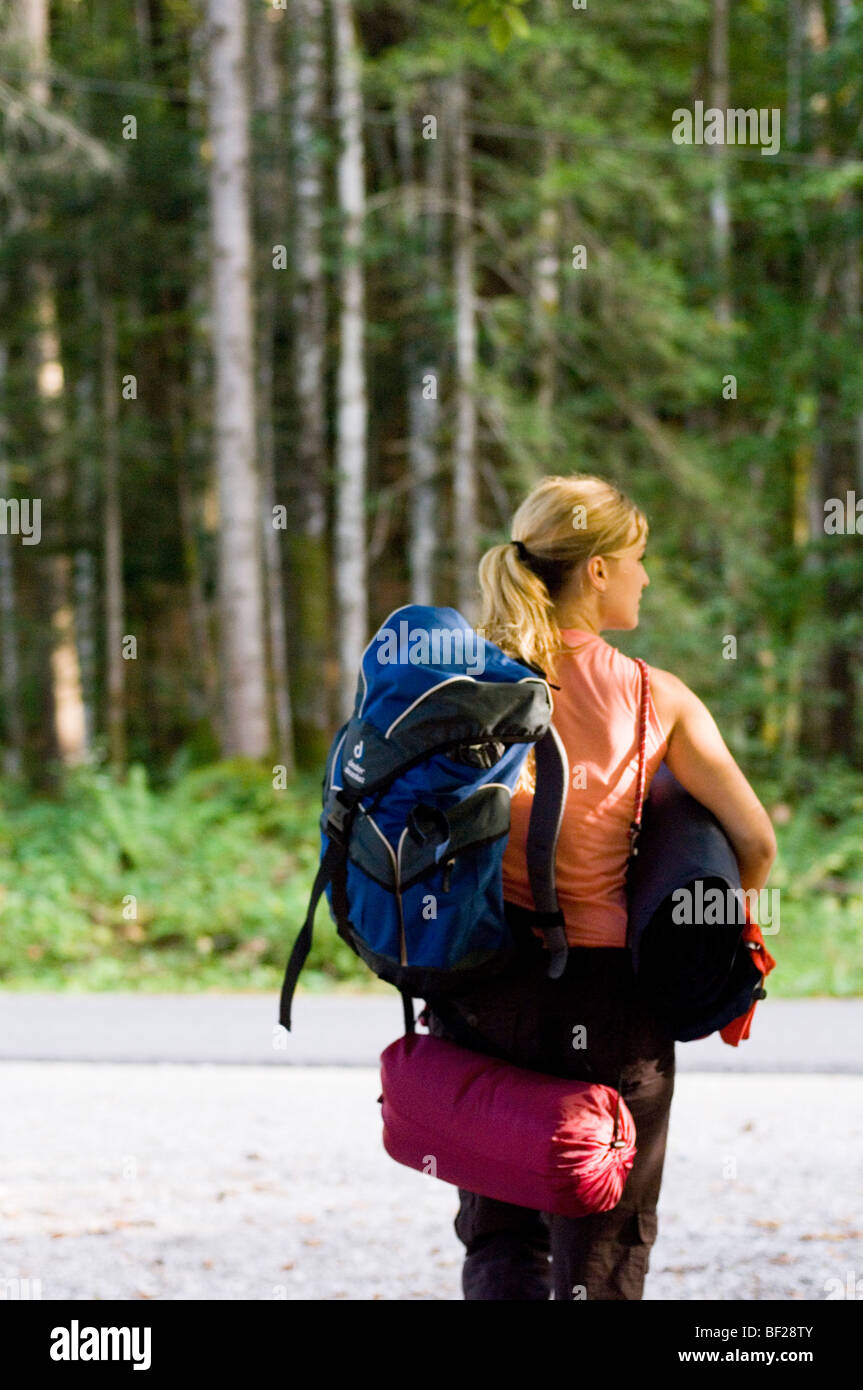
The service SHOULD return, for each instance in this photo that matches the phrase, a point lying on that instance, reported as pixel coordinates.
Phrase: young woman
(573, 570)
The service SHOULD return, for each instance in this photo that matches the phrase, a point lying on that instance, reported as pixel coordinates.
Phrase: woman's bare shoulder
(669, 695)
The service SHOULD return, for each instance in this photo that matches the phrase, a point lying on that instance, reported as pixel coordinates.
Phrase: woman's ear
(597, 571)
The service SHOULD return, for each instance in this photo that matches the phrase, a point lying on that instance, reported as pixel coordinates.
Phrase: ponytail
(518, 608)
(559, 526)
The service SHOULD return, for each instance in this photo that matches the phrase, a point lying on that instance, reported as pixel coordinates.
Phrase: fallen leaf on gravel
(311, 1242)
(768, 1225)
(833, 1235)
(290, 1266)
(139, 1293)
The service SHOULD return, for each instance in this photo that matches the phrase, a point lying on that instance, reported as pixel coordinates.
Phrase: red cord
(635, 827)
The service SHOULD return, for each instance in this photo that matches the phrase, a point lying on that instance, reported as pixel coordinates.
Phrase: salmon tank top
(596, 713)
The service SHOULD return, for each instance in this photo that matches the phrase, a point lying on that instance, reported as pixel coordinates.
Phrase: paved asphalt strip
(348, 1030)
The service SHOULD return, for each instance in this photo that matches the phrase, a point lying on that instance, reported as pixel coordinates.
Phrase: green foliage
(221, 865)
(504, 19)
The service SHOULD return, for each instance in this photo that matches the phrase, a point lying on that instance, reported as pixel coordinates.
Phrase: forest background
(298, 300)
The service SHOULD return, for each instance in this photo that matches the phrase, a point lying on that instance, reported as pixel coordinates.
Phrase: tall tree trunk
(465, 519)
(191, 434)
(422, 225)
(794, 74)
(272, 210)
(70, 725)
(723, 425)
(352, 407)
(10, 692)
(571, 298)
(850, 275)
(240, 590)
(814, 658)
(69, 721)
(801, 467)
(805, 494)
(144, 29)
(842, 593)
(545, 305)
(205, 687)
(113, 540)
(838, 735)
(86, 487)
(720, 215)
(307, 539)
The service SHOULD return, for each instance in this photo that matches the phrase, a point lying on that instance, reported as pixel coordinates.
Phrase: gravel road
(255, 1182)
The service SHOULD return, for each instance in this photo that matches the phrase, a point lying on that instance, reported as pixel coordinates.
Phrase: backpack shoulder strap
(552, 778)
(333, 866)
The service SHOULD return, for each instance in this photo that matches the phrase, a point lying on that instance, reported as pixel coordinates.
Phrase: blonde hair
(563, 523)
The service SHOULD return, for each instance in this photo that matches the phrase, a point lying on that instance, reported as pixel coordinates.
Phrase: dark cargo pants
(590, 1025)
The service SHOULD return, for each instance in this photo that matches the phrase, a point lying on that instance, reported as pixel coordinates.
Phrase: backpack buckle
(337, 816)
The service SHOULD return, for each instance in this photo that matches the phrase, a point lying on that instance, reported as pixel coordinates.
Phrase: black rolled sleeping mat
(699, 974)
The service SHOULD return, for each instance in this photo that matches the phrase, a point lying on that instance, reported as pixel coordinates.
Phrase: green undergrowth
(203, 884)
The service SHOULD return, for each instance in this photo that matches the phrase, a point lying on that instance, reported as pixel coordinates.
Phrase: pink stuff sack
(502, 1131)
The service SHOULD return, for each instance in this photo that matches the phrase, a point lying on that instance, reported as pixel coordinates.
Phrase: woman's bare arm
(701, 762)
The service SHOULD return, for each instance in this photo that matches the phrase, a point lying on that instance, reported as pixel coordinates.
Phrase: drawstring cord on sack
(615, 1142)
(634, 832)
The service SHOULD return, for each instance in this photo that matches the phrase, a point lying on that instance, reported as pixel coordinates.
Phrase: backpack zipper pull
(447, 873)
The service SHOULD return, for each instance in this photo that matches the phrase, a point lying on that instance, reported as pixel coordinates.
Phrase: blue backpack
(416, 809)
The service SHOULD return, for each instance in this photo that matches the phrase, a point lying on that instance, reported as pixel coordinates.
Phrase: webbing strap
(552, 776)
(407, 1005)
(334, 855)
